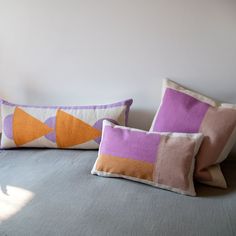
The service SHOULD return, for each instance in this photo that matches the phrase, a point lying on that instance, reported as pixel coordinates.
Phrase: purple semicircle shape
(7, 126)
(51, 122)
(98, 125)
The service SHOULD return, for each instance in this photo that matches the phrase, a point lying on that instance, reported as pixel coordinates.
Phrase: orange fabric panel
(26, 128)
(125, 166)
(71, 131)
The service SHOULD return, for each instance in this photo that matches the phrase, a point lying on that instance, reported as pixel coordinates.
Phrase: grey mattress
(68, 200)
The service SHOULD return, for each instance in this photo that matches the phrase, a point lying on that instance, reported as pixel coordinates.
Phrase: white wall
(99, 51)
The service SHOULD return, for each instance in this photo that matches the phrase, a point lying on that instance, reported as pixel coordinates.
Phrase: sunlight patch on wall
(13, 201)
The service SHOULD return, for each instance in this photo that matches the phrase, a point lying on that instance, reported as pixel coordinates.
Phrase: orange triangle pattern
(26, 128)
(71, 131)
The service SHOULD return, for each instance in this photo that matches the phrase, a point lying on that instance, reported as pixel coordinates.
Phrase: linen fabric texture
(75, 127)
(183, 110)
(163, 160)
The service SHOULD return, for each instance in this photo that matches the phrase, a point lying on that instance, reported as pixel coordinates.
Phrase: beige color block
(217, 126)
(174, 160)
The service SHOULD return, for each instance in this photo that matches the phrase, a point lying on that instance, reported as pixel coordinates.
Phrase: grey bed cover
(68, 200)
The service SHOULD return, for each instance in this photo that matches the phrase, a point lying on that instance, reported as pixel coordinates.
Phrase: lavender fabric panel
(180, 112)
(7, 125)
(127, 103)
(130, 144)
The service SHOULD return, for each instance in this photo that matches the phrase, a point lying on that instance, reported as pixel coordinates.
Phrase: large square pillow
(58, 126)
(183, 110)
(164, 160)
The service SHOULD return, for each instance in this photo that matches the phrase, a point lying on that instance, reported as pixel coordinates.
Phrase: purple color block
(51, 122)
(8, 126)
(130, 144)
(98, 125)
(180, 113)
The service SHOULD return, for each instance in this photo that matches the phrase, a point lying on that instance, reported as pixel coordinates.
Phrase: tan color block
(217, 127)
(174, 161)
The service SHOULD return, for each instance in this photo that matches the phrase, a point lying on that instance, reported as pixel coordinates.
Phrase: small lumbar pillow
(58, 126)
(183, 110)
(164, 160)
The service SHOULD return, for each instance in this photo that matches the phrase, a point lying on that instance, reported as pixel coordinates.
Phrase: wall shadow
(141, 118)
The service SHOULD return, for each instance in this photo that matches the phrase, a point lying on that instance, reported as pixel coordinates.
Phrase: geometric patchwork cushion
(163, 160)
(183, 110)
(58, 126)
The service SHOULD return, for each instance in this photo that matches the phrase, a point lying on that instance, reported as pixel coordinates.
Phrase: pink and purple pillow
(183, 110)
(76, 127)
(163, 160)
